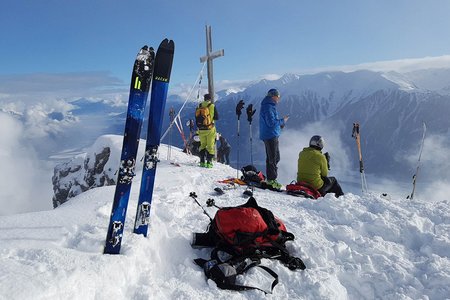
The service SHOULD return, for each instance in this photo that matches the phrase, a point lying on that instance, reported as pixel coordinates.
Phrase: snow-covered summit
(355, 247)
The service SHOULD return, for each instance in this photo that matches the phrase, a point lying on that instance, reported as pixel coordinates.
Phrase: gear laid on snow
(246, 233)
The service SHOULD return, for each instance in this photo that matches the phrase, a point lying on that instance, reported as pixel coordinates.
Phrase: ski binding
(143, 215)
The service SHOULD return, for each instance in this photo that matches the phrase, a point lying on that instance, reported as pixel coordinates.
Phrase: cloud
(34, 112)
(26, 183)
(400, 65)
(45, 87)
(432, 177)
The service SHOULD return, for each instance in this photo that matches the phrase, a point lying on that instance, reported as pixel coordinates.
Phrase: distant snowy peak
(437, 80)
(401, 80)
(331, 86)
(288, 78)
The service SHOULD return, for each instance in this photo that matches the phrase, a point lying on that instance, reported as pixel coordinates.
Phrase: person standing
(205, 117)
(313, 168)
(270, 125)
(223, 152)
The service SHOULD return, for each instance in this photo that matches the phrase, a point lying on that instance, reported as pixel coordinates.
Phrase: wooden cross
(209, 59)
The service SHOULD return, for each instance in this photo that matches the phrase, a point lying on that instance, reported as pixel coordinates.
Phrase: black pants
(223, 156)
(226, 155)
(330, 185)
(272, 158)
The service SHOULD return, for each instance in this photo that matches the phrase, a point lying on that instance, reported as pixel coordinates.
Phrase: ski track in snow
(354, 247)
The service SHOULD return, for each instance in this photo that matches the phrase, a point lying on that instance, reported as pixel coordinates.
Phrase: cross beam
(209, 61)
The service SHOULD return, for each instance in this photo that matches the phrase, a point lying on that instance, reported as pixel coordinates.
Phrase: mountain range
(389, 106)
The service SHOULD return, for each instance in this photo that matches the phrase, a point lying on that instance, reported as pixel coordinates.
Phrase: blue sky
(259, 36)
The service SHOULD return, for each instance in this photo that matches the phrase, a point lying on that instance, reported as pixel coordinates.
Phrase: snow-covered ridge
(401, 80)
(355, 247)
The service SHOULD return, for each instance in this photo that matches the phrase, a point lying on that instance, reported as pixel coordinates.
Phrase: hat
(273, 92)
(207, 97)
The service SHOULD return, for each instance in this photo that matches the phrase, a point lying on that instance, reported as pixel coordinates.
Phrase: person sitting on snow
(313, 168)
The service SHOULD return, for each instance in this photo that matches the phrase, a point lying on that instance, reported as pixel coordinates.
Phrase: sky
(260, 37)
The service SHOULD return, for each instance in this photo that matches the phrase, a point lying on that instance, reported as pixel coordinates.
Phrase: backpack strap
(238, 287)
(292, 262)
(224, 273)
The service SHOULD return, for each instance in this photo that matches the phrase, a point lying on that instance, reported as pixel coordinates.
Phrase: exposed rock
(86, 171)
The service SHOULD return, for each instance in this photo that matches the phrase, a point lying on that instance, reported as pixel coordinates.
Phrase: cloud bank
(26, 182)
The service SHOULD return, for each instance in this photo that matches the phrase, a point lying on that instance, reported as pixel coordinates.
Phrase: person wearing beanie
(205, 117)
(313, 168)
(270, 125)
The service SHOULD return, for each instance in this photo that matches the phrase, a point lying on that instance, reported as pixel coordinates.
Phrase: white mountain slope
(355, 247)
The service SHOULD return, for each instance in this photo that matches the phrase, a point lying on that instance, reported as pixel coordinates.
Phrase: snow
(354, 247)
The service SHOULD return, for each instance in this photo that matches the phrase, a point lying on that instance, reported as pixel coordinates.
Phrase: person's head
(207, 97)
(317, 142)
(274, 94)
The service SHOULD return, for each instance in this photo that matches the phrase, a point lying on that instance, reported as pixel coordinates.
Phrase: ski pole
(250, 113)
(411, 196)
(193, 195)
(239, 107)
(211, 202)
(356, 135)
(169, 148)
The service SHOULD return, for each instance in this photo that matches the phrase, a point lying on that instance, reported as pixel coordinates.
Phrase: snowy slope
(355, 247)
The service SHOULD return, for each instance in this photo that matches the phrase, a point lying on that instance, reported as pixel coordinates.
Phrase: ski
(160, 85)
(357, 136)
(411, 196)
(140, 83)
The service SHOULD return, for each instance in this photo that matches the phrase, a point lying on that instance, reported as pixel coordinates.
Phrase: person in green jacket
(313, 168)
(205, 117)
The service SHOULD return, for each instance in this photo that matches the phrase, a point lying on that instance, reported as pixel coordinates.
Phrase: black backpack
(251, 175)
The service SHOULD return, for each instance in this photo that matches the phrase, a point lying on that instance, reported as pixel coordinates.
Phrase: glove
(327, 156)
(250, 112)
(239, 107)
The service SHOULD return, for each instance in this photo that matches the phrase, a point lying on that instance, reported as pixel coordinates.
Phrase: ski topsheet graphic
(140, 84)
(160, 85)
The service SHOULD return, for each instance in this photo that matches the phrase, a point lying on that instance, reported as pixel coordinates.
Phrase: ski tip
(168, 44)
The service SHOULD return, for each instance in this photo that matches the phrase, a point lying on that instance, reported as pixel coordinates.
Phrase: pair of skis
(148, 70)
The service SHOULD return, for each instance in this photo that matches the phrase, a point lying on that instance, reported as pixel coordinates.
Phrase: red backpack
(244, 227)
(248, 230)
(241, 236)
(302, 188)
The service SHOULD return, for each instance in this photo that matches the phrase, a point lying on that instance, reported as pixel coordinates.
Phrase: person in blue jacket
(270, 125)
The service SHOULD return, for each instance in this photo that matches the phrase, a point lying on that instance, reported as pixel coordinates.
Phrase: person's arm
(323, 166)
